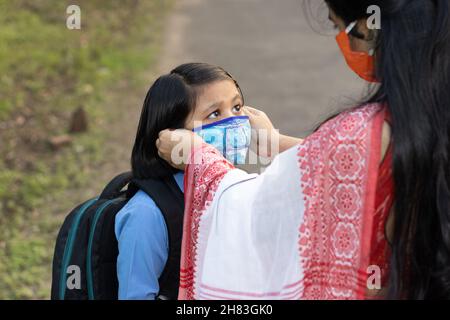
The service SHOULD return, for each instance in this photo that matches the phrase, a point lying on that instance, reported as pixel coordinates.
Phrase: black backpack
(87, 248)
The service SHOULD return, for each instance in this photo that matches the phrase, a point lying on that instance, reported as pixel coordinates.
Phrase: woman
(192, 95)
(320, 222)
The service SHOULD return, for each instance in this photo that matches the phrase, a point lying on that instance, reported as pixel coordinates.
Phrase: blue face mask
(231, 136)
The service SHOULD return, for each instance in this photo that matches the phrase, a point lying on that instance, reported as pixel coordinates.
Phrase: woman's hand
(175, 146)
(258, 119)
(264, 134)
(266, 140)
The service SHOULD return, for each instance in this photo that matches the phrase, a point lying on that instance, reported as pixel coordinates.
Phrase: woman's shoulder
(361, 115)
(355, 124)
(385, 139)
(351, 123)
(374, 112)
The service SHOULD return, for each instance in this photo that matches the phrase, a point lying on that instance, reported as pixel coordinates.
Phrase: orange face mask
(361, 63)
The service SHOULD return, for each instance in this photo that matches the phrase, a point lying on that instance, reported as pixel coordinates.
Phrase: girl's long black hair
(413, 65)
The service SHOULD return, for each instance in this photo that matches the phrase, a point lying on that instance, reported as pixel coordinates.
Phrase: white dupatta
(300, 230)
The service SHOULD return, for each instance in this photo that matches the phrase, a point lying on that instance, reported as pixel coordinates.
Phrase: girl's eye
(214, 115)
(237, 108)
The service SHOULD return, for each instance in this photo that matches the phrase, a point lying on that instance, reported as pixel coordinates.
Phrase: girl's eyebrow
(212, 107)
(217, 104)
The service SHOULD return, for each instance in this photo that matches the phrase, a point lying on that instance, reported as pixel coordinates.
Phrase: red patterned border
(202, 178)
(338, 167)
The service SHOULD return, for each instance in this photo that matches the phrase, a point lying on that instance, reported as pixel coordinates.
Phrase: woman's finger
(252, 111)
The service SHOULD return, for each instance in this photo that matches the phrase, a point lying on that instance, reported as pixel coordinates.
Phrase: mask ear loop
(350, 27)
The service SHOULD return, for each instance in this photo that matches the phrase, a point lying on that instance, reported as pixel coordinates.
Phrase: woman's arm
(266, 140)
(287, 142)
(175, 146)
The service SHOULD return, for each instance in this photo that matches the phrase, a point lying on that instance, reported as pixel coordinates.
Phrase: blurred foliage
(41, 59)
(46, 72)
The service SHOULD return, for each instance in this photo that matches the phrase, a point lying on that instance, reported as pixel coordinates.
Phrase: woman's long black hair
(168, 103)
(413, 65)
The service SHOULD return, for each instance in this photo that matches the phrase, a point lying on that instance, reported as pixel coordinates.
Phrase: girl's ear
(370, 37)
(362, 39)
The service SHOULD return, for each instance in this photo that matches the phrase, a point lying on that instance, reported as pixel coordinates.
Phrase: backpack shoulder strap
(114, 188)
(170, 200)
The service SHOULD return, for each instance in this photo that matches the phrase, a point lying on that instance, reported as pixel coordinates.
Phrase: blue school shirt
(143, 246)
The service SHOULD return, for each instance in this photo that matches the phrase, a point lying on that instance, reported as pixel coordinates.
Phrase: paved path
(295, 74)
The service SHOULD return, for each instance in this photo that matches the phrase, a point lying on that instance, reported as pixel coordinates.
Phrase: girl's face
(216, 101)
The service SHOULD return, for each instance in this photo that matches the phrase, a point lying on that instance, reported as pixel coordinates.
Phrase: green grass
(40, 59)
(46, 72)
